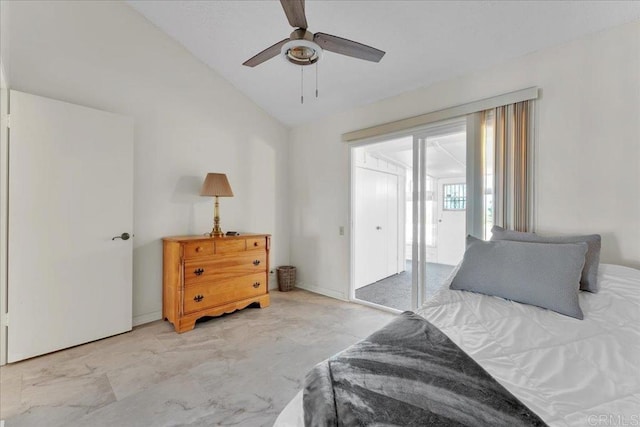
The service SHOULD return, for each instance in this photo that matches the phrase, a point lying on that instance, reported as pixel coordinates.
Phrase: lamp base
(216, 231)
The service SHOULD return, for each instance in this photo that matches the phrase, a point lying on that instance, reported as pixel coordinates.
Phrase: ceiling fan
(305, 48)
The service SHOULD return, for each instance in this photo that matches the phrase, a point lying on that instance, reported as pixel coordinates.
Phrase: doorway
(414, 186)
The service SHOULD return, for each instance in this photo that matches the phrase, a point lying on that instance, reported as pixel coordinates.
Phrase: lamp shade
(216, 184)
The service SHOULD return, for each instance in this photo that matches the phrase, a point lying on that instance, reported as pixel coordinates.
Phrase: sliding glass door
(415, 197)
(454, 178)
(439, 206)
(380, 178)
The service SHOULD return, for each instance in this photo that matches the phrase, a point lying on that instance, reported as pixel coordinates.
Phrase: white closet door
(370, 214)
(70, 193)
(376, 226)
(391, 225)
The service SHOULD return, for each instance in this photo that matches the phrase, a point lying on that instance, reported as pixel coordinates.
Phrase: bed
(569, 372)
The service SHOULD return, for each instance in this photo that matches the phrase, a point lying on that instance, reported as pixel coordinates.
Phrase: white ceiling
(425, 41)
(446, 153)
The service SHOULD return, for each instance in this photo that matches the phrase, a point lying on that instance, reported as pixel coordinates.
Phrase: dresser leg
(265, 301)
(185, 325)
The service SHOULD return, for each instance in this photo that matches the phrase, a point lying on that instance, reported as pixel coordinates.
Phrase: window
(455, 197)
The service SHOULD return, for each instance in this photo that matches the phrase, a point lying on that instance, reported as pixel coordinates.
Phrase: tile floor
(238, 369)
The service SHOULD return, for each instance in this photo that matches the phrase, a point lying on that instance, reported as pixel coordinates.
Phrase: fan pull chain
(301, 85)
(316, 79)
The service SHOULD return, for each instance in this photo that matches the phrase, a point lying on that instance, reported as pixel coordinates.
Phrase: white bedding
(570, 372)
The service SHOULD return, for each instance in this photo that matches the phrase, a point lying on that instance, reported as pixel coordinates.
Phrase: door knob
(123, 236)
(378, 228)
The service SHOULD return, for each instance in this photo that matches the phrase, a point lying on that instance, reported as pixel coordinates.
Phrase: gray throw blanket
(408, 374)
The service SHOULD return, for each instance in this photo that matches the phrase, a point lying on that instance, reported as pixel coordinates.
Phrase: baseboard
(147, 318)
(323, 291)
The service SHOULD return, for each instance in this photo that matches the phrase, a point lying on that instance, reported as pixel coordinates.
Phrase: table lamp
(216, 184)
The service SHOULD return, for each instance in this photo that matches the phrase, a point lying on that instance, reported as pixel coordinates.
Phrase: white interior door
(70, 193)
(376, 226)
(390, 228)
(370, 213)
(452, 227)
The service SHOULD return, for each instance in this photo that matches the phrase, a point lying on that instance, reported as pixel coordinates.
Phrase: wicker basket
(286, 278)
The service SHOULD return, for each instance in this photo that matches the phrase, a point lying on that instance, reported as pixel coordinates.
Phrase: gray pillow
(543, 274)
(589, 278)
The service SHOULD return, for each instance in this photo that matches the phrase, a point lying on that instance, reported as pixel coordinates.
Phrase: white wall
(588, 151)
(189, 121)
(4, 174)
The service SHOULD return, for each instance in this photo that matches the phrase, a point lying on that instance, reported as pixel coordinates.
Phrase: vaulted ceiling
(425, 42)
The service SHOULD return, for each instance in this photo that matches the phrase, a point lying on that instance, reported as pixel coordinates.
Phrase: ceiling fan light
(301, 52)
(302, 55)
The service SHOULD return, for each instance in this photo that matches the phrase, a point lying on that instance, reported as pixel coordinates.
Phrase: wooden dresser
(210, 276)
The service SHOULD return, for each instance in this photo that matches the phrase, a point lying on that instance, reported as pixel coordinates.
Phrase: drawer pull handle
(256, 244)
(198, 298)
(256, 285)
(198, 272)
(199, 249)
(256, 262)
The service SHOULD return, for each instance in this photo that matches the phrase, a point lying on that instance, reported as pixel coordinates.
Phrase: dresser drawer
(198, 249)
(259, 243)
(225, 265)
(232, 245)
(222, 292)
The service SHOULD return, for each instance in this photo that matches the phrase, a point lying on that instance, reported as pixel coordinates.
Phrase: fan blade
(347, 47)
(266, 54)
(294, 9)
